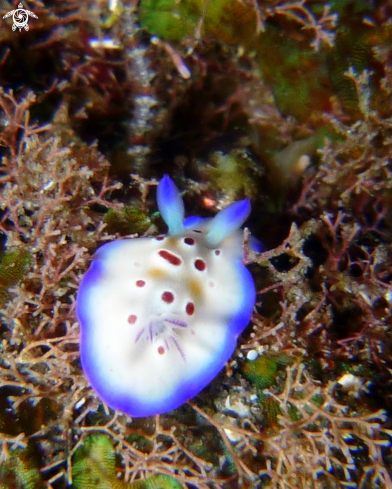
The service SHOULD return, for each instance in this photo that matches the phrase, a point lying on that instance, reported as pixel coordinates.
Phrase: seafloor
(285, 102)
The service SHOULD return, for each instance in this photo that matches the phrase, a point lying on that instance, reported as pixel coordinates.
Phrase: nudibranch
(160, 316)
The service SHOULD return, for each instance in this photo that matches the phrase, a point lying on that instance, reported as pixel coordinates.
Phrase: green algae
(229, 20)
(271, 410)
(94, 464)
(160, 481)
(14, 266)
(234, 174)
(19, 471)
(169, 19)
(263, 371)
(94, 467)
(128, 220)
(351, 51)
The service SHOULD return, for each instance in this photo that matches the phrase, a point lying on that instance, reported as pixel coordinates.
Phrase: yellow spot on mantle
(156, 273)
(194, 287)
(171, 242)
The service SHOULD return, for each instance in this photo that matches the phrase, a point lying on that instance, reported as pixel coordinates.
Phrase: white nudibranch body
(160, 316)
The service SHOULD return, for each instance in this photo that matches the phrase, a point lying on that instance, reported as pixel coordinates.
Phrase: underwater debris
(323, 454)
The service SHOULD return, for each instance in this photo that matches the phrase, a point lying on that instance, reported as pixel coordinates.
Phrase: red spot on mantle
(132, 319)
(200, 265)
(170, 257)
(190, 308)
(167, 297)
(161, 350)
(140, 283)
